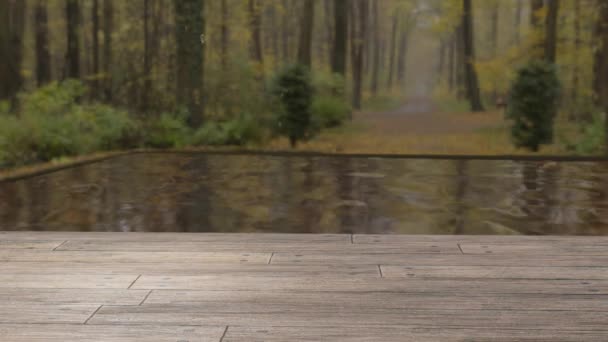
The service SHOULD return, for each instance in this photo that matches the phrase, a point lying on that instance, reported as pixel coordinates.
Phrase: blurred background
(368, 76)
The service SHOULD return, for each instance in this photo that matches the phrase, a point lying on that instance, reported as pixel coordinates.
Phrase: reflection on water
(217, 193)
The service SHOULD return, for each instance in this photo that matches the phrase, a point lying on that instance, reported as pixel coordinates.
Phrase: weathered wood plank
(305, 258)
(225, 238)
(480, 239)
(258, 247)
(359, 284)
(70, 281)
(42, 313)
(234, 316)
(542, 249)
(118, 333)
(163, 268)
(354, 333)
(72, 296)
(134, 257)
(494, 272)
(259, 301)
(30, 244)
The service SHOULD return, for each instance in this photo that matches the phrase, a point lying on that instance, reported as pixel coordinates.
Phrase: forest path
(422, 116)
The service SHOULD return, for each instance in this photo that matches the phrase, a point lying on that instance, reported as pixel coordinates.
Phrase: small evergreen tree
(533, 105)
(294, 90)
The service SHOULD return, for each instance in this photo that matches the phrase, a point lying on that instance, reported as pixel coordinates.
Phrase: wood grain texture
(30, 244)
(542, 249)
(70, 281)
(259, 247)
(258, 301)
(45, 313)
(398, 259)
(72, 296)
(121, 333)
(272, 287)
(448, 287)
(496, 272)
(186, 268)
(353, 333)
(489, 319)
(133, 257)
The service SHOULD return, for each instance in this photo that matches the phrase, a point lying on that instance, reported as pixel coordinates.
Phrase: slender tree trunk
(285, 32)
(472, 83)
(306, 28)
(108, 29)
(73, 34)
(459, 71)
(43, 56)
(538, 28)
(189, 25)
(95, 34)
(402, 56)
(393, 43)
(551, 31)
(600, 83)
(340, 36)
(225, 39)
(12, 26)
(255, 23)
(145, 103)
(451, 63)
(377, 48)
(577, 47)
(329, 30)
(359, 28)
(518, 14)
(495, 17)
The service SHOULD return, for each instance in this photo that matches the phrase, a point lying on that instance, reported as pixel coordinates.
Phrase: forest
(520, 76)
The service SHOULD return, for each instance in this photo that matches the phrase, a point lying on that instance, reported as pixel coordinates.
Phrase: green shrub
(294, 91)
(52, 124)
(328, 112)
(237, 132)
(168, 131)
(593, 138)
(533, 105)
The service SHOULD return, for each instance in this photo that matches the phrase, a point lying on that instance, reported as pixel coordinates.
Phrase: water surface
(245, 193)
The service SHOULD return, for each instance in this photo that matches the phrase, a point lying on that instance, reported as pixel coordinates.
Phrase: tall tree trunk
(393, 43)
(471, 80)
(340, 36)
(189, 25)
(43, 56)
(255, 24)
(600, 83)
(577, 46)
(285, 32)
(377, 48)
(538, 28)
(73, 39)
(225, 39)
(495, 17)
(451, 63)
(145, 101)
(108, 29)
(12, 26)
(551, 31)
(402, 55)
(519, 9)
(329, 32)
(359, 29)
(306, 28)
(95, 34)
(459, 71)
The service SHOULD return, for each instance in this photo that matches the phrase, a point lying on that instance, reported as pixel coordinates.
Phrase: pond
(301, 194)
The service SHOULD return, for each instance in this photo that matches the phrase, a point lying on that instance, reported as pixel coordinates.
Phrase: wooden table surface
(273, 287)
